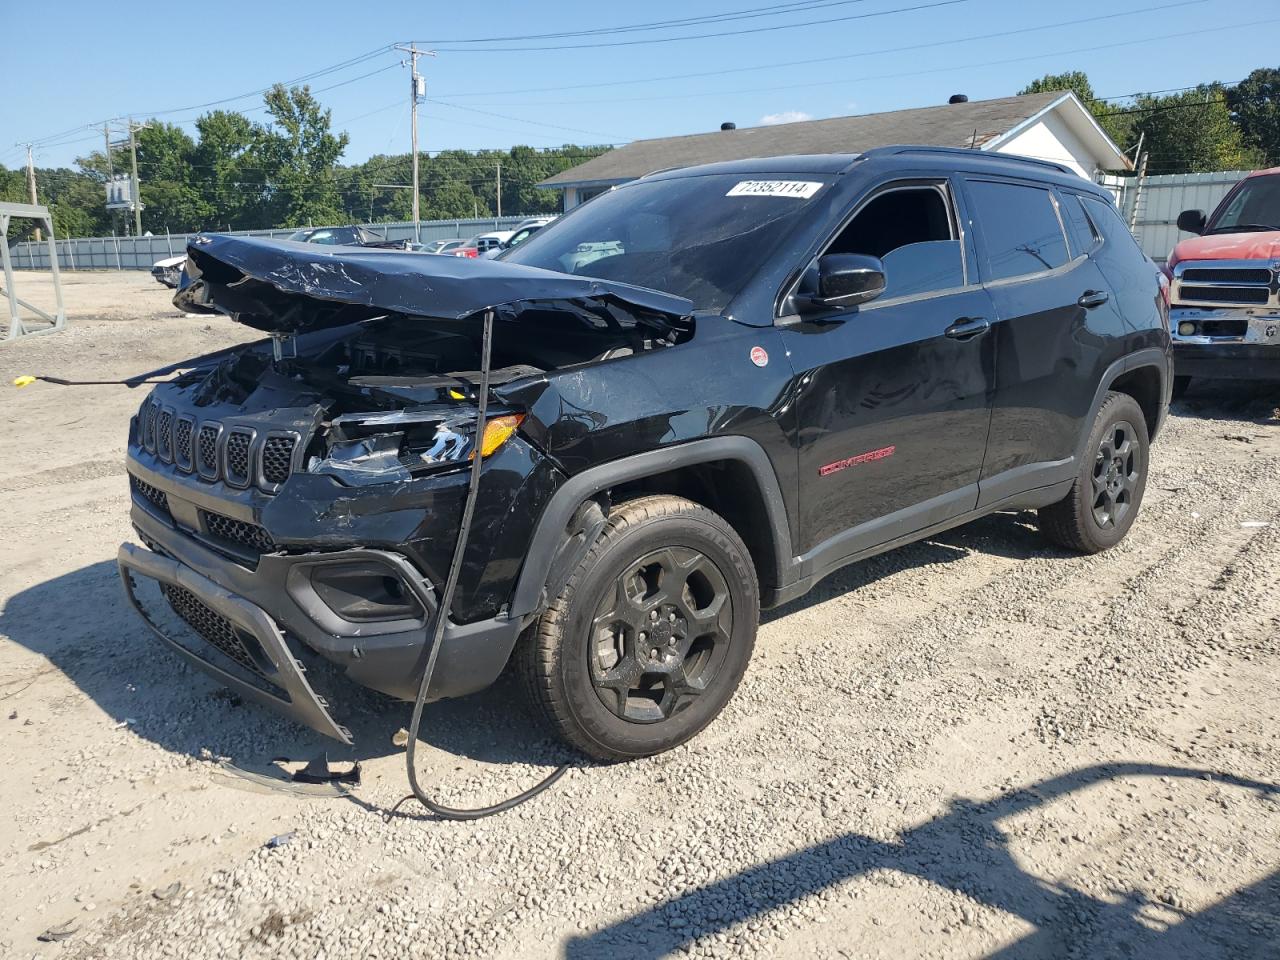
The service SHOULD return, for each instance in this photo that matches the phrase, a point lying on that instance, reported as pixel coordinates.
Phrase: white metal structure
(17, 326)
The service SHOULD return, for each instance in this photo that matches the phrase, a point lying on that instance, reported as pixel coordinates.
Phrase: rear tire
(1107, 493)
(650, 637)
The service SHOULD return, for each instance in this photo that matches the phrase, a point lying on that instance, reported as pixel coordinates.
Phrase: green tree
(231, 189)
(1190, 132)
(1255, 108)
(297, 154)
(172, 194)
(1077, 81)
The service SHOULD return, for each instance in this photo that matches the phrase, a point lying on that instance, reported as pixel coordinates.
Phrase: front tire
(1107, 494)
(650, 637)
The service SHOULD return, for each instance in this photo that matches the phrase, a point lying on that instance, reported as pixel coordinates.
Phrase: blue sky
(93, 61)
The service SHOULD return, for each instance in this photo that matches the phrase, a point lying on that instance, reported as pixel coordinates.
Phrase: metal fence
(139, 253)
(1159, 200)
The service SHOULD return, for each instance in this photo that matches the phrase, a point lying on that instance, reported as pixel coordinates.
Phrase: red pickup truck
(1225, 286)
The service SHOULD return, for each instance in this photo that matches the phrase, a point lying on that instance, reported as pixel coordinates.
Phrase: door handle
(966, 328)
(1093, 298)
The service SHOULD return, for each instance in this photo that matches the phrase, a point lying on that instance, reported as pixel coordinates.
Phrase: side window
(1085, 237)
(1114, 230)
(912, 231)
(1020, 226)
(322, 236)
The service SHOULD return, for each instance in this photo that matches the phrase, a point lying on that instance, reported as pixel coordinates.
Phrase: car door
(893, 397)
(1053, 314)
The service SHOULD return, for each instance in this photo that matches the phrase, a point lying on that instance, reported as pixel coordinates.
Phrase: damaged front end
(299, 497)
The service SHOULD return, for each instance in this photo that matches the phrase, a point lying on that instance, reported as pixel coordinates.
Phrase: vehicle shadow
(86, 629)
(966, 851)
(1256, 401)
(1013, 535)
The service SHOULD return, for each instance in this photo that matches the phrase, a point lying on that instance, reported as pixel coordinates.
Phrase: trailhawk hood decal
(1263, 245)
(286, 287)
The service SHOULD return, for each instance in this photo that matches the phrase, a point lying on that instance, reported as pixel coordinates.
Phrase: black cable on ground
(436, 633)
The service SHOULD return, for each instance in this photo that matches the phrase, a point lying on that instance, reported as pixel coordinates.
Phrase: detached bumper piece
(259, 665)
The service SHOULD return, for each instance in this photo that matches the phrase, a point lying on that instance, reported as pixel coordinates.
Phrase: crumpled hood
(286, 287)
(1263, 245)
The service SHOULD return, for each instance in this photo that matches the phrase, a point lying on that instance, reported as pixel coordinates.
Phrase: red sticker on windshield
(759, 357)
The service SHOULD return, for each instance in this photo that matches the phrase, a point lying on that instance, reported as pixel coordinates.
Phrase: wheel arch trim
(559, 511)
(1156, 357)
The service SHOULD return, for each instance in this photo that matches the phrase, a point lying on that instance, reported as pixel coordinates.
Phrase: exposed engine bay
(393, 397)
(371, 371)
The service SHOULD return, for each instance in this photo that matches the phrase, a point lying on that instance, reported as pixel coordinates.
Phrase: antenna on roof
(958, 98)
(728, 125)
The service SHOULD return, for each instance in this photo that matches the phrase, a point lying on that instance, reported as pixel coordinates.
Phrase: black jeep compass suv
(709, 389)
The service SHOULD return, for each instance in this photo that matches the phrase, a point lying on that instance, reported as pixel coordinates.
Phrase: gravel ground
(974, 746)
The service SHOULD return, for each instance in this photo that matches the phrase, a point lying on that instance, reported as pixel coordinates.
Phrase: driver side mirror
(1192, 221)
(846, 280)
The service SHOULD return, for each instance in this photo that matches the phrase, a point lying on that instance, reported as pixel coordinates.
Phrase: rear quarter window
(1084, 235)
(1019, 227)
(1109, 223)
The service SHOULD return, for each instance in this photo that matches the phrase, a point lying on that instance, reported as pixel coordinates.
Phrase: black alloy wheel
(647, 641)
(1116, 474)
(1103, 501)
(661, 637)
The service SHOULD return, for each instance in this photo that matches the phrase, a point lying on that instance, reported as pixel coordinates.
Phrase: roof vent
(728, 125)
(958, 98)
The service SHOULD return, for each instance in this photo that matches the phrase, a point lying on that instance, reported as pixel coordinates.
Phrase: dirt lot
(975, 746)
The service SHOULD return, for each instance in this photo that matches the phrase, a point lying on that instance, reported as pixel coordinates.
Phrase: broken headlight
(392, 447)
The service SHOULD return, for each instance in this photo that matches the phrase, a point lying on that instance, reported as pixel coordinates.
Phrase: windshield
(1255, 206)
(699, 237)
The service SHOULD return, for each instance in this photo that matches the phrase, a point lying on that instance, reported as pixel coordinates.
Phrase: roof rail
(970, 151)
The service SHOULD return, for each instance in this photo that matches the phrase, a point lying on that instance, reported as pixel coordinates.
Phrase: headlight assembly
(392, 447)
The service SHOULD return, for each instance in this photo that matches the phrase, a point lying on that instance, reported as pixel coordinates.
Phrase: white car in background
(523, 231)
(169, 270)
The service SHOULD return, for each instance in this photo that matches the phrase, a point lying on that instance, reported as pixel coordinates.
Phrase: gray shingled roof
(950, 125)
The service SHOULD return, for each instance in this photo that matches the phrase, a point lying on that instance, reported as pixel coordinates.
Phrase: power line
(536, 123)
(315, 74)
(705, 36)
(862, 54)
(889, 76)
(748, 14)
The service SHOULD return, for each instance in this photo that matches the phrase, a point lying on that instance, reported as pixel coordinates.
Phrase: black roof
(942, 159)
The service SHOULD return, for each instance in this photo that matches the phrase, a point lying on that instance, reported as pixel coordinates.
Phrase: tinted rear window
(1020, 228)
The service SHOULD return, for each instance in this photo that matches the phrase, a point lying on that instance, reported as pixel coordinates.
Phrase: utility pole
(499, 190)
(31, 185)
(106, 139)
(137, 192)
(417, 90)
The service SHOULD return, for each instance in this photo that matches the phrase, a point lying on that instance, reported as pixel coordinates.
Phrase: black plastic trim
(575, 491)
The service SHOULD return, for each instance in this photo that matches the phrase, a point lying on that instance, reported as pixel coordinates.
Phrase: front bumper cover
(268, 604)
(297, 700)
